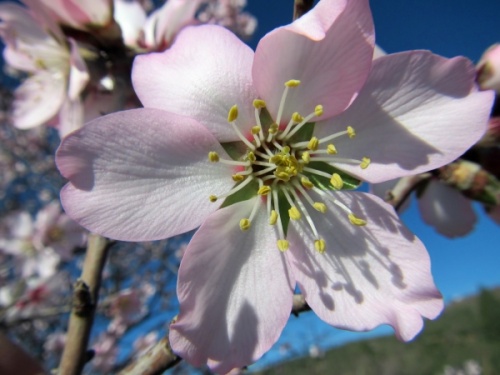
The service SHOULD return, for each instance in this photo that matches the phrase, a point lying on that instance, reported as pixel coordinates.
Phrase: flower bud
(488, 69)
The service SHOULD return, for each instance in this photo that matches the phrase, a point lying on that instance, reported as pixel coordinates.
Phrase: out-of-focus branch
(404, 188)
(161, 356)
(14, 360)
(301, 7)
(158, 359)
(85, 296)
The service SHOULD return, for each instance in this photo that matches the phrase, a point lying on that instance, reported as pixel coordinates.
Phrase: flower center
(286, 166)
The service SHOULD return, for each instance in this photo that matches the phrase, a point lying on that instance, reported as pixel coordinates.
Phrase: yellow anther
(318, 110)
(276, 159)
(356, 220)
(233, 113)
(313, 144)
(306, 157)
(306, 183)
(296, 117)
(351, 132)
(286, 150)
(365, 162)
(273, 128)
(259, 103)
(283, 245)
(245, 224)
(294, 213)
(256, 130)
(213, 156)
(238, 177)
(213, 198)
(321, 207)
(281, 175)
(337, 181)
(292, 83)
(251, 157)
(273, 218)
(320, 246)
(330, 149)
(264, 190)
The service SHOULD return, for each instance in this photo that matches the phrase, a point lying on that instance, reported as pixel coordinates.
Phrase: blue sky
(449, 28)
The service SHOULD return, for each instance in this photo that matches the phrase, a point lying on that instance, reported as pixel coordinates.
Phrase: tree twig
(85, 296)
(301, 7)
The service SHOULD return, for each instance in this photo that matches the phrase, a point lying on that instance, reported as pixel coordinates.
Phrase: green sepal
(284, 206)
(265, 120)
(234, 149)
(305, 133)
(244, 194)
(350, 182)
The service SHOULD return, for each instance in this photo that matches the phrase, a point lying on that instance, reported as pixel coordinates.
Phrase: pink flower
(55, 230)
(84, 15)
(288, 157)
(57, 72)
(128, 307)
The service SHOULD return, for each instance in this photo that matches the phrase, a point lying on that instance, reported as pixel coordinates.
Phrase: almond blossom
(289, 131)
(57, 73)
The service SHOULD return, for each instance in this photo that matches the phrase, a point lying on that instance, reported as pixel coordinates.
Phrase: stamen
(245, 224)
(331, 149)
(356, 220)
(238, 187)
(264, 190)
(321, 207)
(213, 156)
(283, 245)
(233, 113)
(259, 104)
(318, 111)
(264, 171)
(315, 171)
(273, 129)
(351, 132)
(306, 214)
(306, 157)
(289, 84)
(273, 217)
(313, 144)
(231, 118)
(294, 213)
(320, 245)
(306, 182)
(365, 162)
(318, 206)
(337, 181)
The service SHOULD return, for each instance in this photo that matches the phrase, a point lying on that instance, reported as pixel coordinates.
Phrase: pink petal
(131, 16)
(234, 289)
(368, 276)
(163, 24)
(141, 175)
(205, 73)
(329, 50)
(38, 99)
(78, 75)
(447, 210)
(417, 112)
